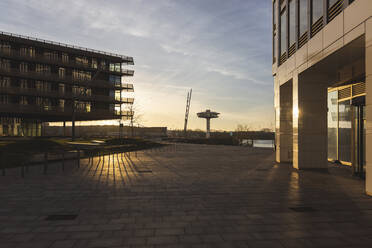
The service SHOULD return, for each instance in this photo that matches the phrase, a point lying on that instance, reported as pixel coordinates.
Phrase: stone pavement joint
(194, 196)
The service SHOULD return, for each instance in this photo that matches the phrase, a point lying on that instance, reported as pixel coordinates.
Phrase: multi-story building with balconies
(322, 68)
(45, 81)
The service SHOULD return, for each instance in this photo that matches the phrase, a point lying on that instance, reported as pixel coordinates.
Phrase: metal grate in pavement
(303, 209)
(55, 217)
(144, 171)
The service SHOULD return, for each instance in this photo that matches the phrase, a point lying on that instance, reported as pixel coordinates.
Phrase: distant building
(108, 131)
(45, 81)
(322, 68)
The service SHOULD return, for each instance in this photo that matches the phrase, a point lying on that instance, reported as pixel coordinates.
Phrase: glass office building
(46, 81)
(322, 69)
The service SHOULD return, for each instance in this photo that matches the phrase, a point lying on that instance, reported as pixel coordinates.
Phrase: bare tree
(136, 117)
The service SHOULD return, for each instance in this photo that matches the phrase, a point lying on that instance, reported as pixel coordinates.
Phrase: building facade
(322, 69)
(45, 81)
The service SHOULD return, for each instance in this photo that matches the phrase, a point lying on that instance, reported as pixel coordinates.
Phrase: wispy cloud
(221, 49)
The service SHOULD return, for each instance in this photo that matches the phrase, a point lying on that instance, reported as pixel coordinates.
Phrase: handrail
(59, 94)
(130, 59)
(12, 53)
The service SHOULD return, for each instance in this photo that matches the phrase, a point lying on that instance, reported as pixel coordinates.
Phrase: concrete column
(309, 122)
(284, 116)
(369, 107)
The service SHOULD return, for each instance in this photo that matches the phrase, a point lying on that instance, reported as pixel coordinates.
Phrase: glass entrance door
(359, 139)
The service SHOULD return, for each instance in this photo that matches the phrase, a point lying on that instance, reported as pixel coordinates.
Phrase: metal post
(78, 158)
(63, 160)
(64, 128)
(45, 163)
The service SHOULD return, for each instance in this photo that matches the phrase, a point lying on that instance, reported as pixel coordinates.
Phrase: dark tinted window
(317, 10)
(283, 32)
(303, 16)
(292, 22)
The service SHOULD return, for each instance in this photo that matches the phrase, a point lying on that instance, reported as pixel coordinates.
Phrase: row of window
(44, 86)
(300, 10)
(45, 103)
(79, 75)
(6, 48)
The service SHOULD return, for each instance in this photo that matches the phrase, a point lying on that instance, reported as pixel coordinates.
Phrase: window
(317, 6)
(117, 95)
(274, 31)
(64, 57)
(43, 86)
(5, 64)
(24, 84)
(42, 69)
(62, 72)
(61, 104)
(292, 23)
(23, 100)
(5, 47)
(51, 55)
(283, 32)
(81, 60)
(81, 75)
(116, 80)
(332, 2)
(303, 25)
(94, 63)
(61, 88)
(4, 82)
(115, 67)
(27, 51)
(23, 67)
(4, 99)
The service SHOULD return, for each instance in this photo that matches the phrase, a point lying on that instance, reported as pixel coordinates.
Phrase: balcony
(58, 94)
(53, 77)
(56, 113)
(16, 55)
(126, 59)
(127, 87)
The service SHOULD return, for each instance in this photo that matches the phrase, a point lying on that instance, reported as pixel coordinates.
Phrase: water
(263, 143)
(259, 143)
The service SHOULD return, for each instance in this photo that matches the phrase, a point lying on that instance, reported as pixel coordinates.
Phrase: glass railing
(128, 59)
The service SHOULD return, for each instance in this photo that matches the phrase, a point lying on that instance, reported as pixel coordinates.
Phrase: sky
(221, 49)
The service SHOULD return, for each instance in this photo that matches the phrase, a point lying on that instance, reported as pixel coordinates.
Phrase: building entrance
(359, 137)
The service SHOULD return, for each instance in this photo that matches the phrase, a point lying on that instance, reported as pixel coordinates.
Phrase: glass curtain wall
(317, 10)
(274, 31)
(332, 124)
(332, 2)
(303, 17)
(292, 22)
(283, 32)
(344, 131)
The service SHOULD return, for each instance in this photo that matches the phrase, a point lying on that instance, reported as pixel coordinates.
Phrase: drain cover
(61, 217)
(303, 209)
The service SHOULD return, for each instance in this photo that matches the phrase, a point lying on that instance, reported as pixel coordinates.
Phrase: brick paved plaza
(194, 196)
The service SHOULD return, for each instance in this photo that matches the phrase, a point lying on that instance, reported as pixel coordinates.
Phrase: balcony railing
(59, 112)
(129, 60)
(57, 94)
(56, 78)
(127, 87)
(15, 54)
(125, 100)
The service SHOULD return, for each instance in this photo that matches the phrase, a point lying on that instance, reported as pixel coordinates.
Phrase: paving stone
(197, 196)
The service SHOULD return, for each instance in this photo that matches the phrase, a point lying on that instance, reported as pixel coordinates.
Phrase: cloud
(221, 49)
